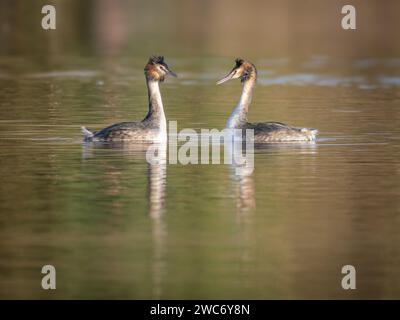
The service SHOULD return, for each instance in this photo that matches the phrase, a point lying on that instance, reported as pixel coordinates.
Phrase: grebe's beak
(229, 76)
(172, 74)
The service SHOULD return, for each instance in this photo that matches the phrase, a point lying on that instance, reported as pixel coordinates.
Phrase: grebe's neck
(239, 115)
(156, 109)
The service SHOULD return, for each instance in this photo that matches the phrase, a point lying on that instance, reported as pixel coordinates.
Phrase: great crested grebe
(153, 127)
(263, 131)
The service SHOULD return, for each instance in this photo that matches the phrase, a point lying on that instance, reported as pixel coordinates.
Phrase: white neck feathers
(238, 116)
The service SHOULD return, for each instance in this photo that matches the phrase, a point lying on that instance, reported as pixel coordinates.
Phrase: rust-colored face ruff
(156, 69)
(243, 69)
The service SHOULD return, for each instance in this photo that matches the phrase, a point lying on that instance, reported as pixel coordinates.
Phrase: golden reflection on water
(157, 179)
(156, 185)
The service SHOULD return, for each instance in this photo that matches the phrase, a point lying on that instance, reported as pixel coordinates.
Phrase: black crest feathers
(239, 62)
(156, 60)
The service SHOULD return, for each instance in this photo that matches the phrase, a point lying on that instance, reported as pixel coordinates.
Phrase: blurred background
(116, 227)
(258, 28)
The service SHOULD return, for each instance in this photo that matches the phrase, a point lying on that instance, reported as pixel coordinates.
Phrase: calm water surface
(116, 227)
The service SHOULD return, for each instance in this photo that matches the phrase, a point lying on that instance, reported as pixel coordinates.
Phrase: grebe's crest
(156, 69)
(243, 70)
(156, 59)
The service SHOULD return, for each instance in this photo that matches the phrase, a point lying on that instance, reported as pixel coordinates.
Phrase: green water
(117, 227)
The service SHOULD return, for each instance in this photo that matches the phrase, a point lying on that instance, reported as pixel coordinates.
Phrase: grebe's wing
(122, 131)
(269, 126)
(277, 131)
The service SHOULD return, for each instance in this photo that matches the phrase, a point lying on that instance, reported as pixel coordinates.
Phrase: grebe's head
(243, 70)
(156, 69)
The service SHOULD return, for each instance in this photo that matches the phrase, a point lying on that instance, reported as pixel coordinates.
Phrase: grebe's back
(280, 132)
(123, 131)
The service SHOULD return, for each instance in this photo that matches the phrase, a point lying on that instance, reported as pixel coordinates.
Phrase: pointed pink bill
(229, 76)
